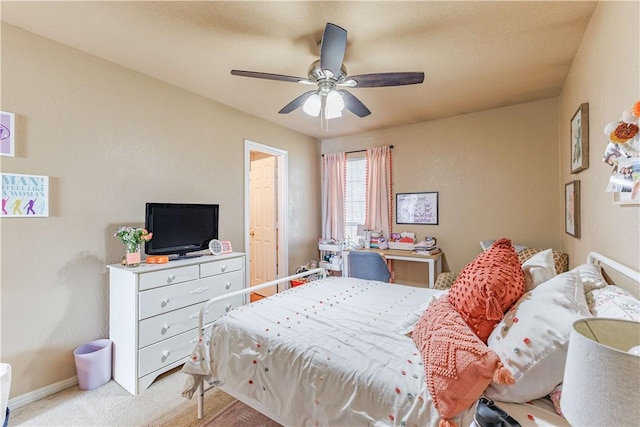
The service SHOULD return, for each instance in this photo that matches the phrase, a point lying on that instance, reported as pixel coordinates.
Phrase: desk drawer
(165, 352)
(170, 276)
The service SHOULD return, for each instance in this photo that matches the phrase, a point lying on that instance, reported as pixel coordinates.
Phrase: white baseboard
(41, 393)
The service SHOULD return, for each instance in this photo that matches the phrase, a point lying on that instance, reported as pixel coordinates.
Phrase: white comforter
(327, 353)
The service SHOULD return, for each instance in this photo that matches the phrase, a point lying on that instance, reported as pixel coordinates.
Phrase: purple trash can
(93, 364)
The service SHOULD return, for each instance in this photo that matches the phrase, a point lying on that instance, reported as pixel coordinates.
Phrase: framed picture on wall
(417, 208)
(572, 208)
(580, 139)
(7, 130)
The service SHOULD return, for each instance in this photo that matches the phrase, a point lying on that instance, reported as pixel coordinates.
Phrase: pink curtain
(334, 166)
(378, 202)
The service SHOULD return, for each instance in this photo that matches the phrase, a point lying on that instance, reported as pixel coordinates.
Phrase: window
(354, 199)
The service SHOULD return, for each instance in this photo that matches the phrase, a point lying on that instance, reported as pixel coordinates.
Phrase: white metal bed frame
(201, 326)
(592, 258)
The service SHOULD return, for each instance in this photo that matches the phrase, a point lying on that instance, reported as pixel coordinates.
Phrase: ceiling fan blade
(354, 105)
(388, 79)
(334, 43)
(296, 103)
(269, 76)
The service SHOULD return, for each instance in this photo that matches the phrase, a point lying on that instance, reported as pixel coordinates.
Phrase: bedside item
(218, 247)
(489, 415)
(601, 383)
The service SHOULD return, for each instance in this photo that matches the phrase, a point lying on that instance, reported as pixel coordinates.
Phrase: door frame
(282, 185)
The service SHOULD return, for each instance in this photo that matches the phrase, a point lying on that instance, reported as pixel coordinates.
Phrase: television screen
(180, 228)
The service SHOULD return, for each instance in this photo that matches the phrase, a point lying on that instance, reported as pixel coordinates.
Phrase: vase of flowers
(133, 238)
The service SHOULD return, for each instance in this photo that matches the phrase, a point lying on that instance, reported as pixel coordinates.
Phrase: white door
(263, 221)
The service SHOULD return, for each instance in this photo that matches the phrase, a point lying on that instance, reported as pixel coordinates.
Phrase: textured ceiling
(475, 55)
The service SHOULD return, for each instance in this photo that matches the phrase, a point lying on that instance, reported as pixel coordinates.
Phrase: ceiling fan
(330, 74)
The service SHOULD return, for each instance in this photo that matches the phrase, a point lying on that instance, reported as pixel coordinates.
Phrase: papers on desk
(427, 247)
(432, 251)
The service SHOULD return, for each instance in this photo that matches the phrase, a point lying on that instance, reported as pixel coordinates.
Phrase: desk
(434, 261)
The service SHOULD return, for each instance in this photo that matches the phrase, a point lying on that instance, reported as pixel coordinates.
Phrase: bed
(337, 351)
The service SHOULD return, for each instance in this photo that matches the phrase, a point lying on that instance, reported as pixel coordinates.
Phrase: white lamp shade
(601, 384)
(312, 105)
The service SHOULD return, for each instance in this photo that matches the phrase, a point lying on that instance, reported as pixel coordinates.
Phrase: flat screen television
(180, 228)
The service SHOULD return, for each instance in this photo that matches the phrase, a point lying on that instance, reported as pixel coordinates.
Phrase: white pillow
(613, 302)
(533, 336)
(410, 320)
(591, 275)
(538, 269)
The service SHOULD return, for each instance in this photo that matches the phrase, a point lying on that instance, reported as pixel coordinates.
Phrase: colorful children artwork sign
(25, 196)
(7, 137)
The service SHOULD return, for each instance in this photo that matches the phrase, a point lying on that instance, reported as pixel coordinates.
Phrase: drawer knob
(223, 268)
(228, 285)
(165, 302)
(165, 328)
(227, 308)
(171, 278)
(195, 315)
(165, 354)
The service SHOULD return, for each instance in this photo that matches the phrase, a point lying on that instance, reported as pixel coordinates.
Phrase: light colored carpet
(111, 405)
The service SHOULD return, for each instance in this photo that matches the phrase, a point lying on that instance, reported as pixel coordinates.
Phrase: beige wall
(610, 87)
(111, 139)
(496, 173)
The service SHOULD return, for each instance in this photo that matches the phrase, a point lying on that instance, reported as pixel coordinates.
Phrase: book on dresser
(153, 312)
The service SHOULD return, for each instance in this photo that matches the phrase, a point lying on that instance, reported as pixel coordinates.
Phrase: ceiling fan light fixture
(312, 105)
(334, 105)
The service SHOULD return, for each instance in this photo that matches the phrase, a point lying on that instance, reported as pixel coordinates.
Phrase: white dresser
(153, 312)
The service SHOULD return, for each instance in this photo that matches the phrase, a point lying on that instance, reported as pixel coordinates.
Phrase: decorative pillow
(555, 397)
(409, 322)
(560, 259)
(458, 365)
(445, 280)
(591, 275)
(532, 338)
(486, 244)
(538, 269)
(613, 302)
(487, 287)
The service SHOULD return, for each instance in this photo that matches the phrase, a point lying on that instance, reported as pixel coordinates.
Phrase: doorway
(265, 214)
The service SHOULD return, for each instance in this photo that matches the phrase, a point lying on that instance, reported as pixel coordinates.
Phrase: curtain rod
(358, 151)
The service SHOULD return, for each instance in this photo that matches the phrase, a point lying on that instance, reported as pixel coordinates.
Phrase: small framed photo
(580, 139)
(7, 130)
(572, 208)
(417, 208)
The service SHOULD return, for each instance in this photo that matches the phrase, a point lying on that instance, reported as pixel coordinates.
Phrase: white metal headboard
(596, 258)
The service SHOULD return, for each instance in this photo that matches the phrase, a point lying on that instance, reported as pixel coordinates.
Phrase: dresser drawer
(168, 277)
(221, 266)
(165, 352)
(175, 322)
(169, 298)
(167, 325)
